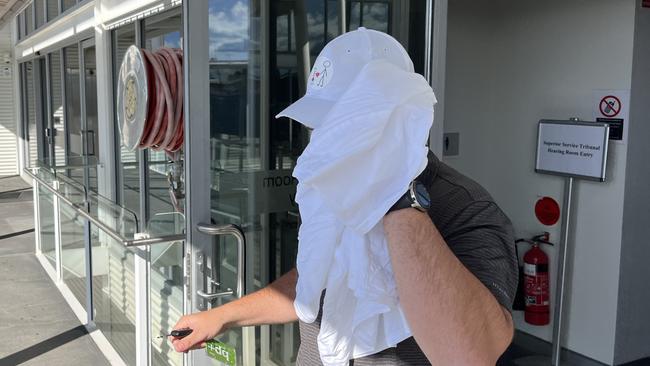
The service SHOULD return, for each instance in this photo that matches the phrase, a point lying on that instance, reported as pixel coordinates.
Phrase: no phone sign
(612, 107)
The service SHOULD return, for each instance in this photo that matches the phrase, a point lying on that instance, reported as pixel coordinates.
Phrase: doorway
(259, 53)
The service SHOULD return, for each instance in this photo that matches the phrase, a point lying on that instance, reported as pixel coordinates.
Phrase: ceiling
(8, 9)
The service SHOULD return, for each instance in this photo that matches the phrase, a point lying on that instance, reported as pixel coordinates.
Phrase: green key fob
(221, 352)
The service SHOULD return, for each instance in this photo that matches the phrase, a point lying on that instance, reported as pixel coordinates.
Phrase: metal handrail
(102, 226)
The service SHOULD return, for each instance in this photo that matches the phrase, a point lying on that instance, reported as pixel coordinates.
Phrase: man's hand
(270, 305)
(205, 326)
(455, 319)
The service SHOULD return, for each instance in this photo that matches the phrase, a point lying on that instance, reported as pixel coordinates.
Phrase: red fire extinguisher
(536, 282)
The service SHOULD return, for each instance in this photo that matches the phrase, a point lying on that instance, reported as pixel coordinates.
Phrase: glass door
(259, 53)
(89, 136)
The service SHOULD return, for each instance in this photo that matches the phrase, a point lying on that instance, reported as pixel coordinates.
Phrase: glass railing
(126, 272)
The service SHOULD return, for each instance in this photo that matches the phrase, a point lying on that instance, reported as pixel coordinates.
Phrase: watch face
(422, 195)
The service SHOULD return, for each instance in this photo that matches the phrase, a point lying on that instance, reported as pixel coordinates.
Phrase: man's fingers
(184, 344)
(198, 346)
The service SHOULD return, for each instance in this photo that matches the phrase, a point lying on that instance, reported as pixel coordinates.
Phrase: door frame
(197, 141)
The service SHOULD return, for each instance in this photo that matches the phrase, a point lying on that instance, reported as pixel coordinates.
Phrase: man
(456, 274)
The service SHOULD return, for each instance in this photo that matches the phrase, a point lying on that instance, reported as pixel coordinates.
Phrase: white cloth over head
(362, 156)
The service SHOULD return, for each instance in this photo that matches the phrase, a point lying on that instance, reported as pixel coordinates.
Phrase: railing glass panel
(165, 287)
(73, 255)
(46, 221)
(114, 293)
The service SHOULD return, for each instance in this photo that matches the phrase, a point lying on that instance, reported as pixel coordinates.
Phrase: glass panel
(40, 91)
(52, 9)
(56, 108)
(73, 257)
(73, 105)
(128, 182)
(67, 4)
(29, 21)
(39, 10)
(234, 136)
(19, 26)
(114, 293)
(166, 297)
(91, 130)
(249, 148)
(163, 30)
(30, 103)
(46, 220)
(166, 287)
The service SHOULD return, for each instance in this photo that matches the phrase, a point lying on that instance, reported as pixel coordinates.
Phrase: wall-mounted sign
(612, 107)
(575, 149)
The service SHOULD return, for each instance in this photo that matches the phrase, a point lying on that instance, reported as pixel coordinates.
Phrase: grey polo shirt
(476, 231)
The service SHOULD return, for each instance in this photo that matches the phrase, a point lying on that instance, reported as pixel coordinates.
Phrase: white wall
(510, 64)
(633, 320)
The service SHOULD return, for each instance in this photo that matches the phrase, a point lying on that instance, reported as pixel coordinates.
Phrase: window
(39, 12)
(162, 30)
(56, 108)
(73, 103)
(67, 4)
(128, 182)
(52, 9)
(29, 21)
(29, 113)
(19, 26)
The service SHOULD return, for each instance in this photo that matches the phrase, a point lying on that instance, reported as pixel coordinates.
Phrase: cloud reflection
(229, 30)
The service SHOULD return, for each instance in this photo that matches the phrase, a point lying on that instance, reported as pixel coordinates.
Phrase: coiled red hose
(163, 126)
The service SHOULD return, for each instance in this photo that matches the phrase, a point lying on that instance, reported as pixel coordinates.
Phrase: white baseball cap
(336, 67)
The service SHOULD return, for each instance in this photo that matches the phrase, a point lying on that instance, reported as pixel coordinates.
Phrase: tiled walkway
(37, 325)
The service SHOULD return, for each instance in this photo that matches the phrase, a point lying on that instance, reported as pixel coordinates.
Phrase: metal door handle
(238, 233)
(214, 295)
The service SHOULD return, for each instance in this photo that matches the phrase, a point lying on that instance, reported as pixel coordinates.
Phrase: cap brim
(308, 110)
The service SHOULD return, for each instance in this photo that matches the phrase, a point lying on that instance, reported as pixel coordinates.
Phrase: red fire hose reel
(150, 107)
(150, 99)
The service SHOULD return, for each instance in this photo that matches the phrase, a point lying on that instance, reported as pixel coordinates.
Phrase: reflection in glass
(30, 104)
(163, 30)
(114, 293)
(73, 104)
(52, 9)
(128, 183)
(67, 4)
(166, 298)
(73, 257)
(248, 146)
(39, 12)
(29, 21)
(166, 281)
(56, 108)
(20, 24)
(46, 221)
(370, 14)
(91, 130)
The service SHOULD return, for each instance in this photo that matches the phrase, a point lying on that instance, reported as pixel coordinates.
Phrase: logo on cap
(321, 73)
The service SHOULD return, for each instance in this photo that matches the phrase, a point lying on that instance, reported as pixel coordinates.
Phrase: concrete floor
(37, 325)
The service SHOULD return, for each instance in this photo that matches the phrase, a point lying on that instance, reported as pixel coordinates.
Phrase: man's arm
(455, 319)
(270, 305)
